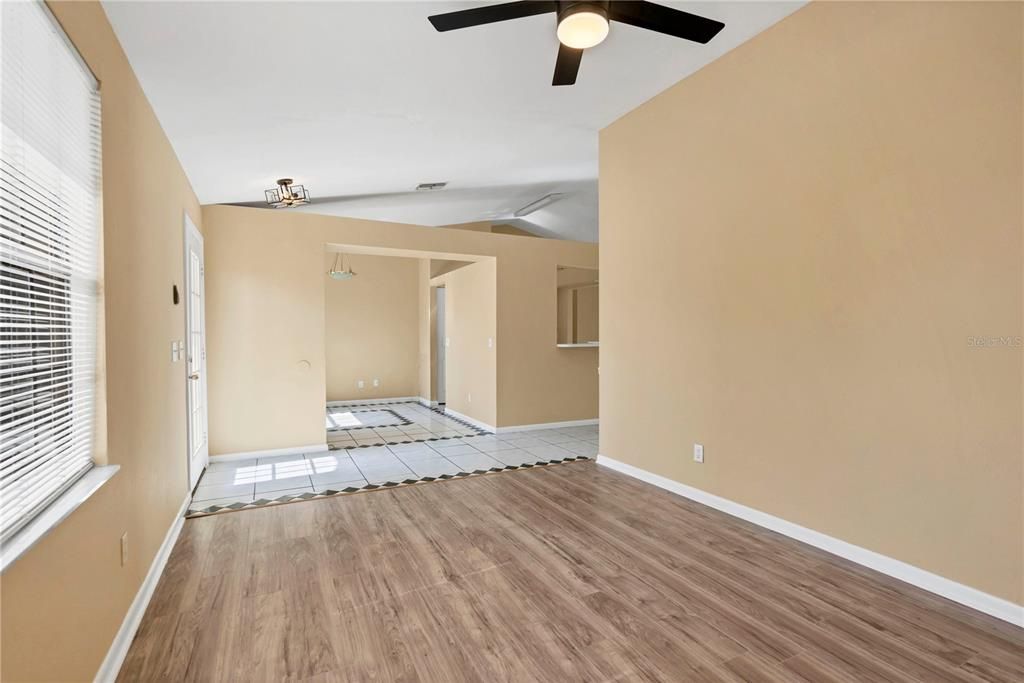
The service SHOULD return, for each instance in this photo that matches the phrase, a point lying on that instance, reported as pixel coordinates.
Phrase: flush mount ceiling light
(582, 25)
(286, 195)
(338, 270)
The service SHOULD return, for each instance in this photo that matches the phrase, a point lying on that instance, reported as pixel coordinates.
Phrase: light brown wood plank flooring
(569, 573)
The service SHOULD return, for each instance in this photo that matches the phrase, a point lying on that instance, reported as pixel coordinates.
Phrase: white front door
(195, 353)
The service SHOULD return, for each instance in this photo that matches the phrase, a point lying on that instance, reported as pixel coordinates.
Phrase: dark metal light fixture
(286, 195)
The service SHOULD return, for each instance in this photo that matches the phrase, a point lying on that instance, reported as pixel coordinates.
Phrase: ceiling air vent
(427, 187)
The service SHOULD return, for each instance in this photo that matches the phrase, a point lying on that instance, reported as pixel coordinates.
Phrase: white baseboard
(269, 453)
(111, 665)
(547, 425)
(473, 421)
(427, 402)
(933, 583)
(372, 401)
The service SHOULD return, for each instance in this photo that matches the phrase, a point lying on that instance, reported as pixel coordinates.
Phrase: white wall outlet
(124, 548)
(175, 352)
(376, 382)
(360, 384)
(698, 452)
(490, 342)
(469, 398)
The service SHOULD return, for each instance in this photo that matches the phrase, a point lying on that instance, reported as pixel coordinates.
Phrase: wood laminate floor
(569, 573)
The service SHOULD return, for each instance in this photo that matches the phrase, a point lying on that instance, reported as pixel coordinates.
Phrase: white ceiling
(361, 101)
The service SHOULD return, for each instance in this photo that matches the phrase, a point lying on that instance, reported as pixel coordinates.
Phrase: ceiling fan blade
(567, 65)
(490, 14)
(663, 19)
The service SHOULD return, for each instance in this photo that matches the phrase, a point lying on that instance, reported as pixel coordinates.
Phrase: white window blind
(49, 237)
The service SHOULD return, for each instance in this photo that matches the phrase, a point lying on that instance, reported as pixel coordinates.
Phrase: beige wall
(537, 381)
(505, 229)
(477, 226)
(66, 598)
(587, 314)
(487, 226)
(797, 243)
(371, 327)
(442, 266)
(471, 328)
(426, 331)
(566, 315)
(265, 299)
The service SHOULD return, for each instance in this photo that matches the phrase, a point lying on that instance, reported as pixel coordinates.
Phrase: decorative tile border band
(434, 409)
(350, 490)
(400, 421)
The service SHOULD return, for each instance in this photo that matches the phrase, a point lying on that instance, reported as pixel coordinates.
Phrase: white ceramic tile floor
(550, 452)
(434, 468)
(514, 457)
(223, 491)
(448, 448)
(415, 456)
(270, 495)
(227, 482)
(480, 461)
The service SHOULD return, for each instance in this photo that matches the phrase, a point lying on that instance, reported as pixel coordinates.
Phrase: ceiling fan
(585, 24)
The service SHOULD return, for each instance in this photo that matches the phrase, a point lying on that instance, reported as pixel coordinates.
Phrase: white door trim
(195, 463)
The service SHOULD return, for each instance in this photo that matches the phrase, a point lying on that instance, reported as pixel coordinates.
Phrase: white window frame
(47, 513)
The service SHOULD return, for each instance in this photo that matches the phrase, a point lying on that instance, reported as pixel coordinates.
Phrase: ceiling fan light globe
(582, 29)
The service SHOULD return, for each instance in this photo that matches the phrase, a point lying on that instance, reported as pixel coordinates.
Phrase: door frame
(191, 234)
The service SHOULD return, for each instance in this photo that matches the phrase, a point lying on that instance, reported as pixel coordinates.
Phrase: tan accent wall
(442, 266)
(487, 226)
(372, 328)
(65, 599)
(587, 314)
(470, 323)
(798, 244)
(265, 299)
(426, 332)
(505, 229)
(566, 315)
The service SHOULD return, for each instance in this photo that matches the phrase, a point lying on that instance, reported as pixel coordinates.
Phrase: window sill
(54, 513)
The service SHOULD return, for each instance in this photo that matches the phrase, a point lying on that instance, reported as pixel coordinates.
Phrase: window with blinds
(49, 238)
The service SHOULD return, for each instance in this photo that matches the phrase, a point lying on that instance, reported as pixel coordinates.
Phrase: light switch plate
(698, 452)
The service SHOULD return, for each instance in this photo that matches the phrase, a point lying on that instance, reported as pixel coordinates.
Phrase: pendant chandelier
(339, 271)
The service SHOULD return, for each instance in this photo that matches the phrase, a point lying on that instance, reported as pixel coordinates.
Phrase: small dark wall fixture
(174, 294)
